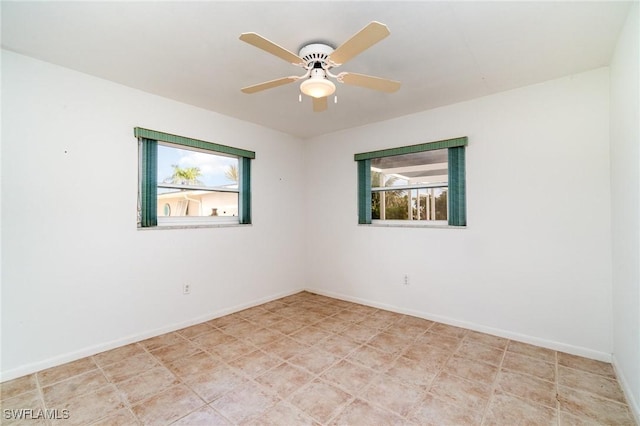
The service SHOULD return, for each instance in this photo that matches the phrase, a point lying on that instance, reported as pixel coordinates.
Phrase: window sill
(194, 226)
(411, 225)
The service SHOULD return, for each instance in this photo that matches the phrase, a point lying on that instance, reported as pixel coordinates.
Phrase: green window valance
(411, 149)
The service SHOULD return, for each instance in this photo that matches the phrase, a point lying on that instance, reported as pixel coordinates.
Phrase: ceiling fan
(318, 59)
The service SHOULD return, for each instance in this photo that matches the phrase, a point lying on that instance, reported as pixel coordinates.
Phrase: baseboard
(96, 349)
(550, 344)
(634, 404)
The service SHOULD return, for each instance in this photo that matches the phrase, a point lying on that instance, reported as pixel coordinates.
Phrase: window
(422, 183)
(185, 181)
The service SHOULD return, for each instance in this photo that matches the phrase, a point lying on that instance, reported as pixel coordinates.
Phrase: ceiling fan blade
(369, 82)
(361, 41)
(269, 46)
(269, 84)
(319, 104)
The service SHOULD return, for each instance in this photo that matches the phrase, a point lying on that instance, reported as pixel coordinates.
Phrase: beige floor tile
(314, 360)
(349, 376)
(544, 354)
(432, 411)
(91, 407)
(523, 364)
(65, 371)
(200, 362)
(211, 340)
(527, 387)
(255, 363)
(405, 330)
(162, 341)
(168, 406)
(390, 343)
(394, 395)
(195, 330)
(308, 317)
(286, 327)
(285, 348)
(333, 325)
(282, 413)
(245, 403)
(23, 409)
(311, 335)
(416, 322)
(18, 386)
(147, 384)
(266, 319)
(417, 372)
(448, 330)
(116, 355)
(379, 323)
(240, 329)
(251, 312)
(122, 417)
(360, 412)
(585, 364)
(213, 384)
(486, 339)
(223, 321)
(290, 312)
(171, 353)
(592, 408)
(130, 367)
(264, 336)
(320, 400)
(372, 358)
(460, 392)
(508, 410)
(310, 359)
(480, 352)
(590, 382)
(443, 341)
(421, 351)
(471, 369)
(363, 310)
(233, 350)
(566, 419)
(74, 386)
(359, 333)
(348, 316)
(273, 306)
(204, 416)
(284, 379)
(388, 315)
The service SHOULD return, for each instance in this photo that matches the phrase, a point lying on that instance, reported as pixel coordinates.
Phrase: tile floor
(312, 360)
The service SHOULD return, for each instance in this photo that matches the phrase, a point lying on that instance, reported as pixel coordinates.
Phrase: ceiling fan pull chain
(335, 99)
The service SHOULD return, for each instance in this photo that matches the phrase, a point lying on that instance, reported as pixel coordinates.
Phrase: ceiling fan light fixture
(317, 86)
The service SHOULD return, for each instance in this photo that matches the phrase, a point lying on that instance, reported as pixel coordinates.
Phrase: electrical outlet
(406, 279)
(186, 289)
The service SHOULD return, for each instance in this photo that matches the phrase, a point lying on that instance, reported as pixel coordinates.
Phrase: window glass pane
(172, 202)
(187, 167)
(181, 166)
(390, 205)
(426, 171)
(410, 169)
(424, 204)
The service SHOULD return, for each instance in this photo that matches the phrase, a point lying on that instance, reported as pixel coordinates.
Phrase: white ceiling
(442, 52)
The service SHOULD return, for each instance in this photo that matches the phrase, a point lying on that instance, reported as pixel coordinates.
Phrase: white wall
(625, 194)
(77, 276)
(533, 264)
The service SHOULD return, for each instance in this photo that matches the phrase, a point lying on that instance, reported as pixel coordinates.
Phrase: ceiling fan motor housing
(315, 53)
